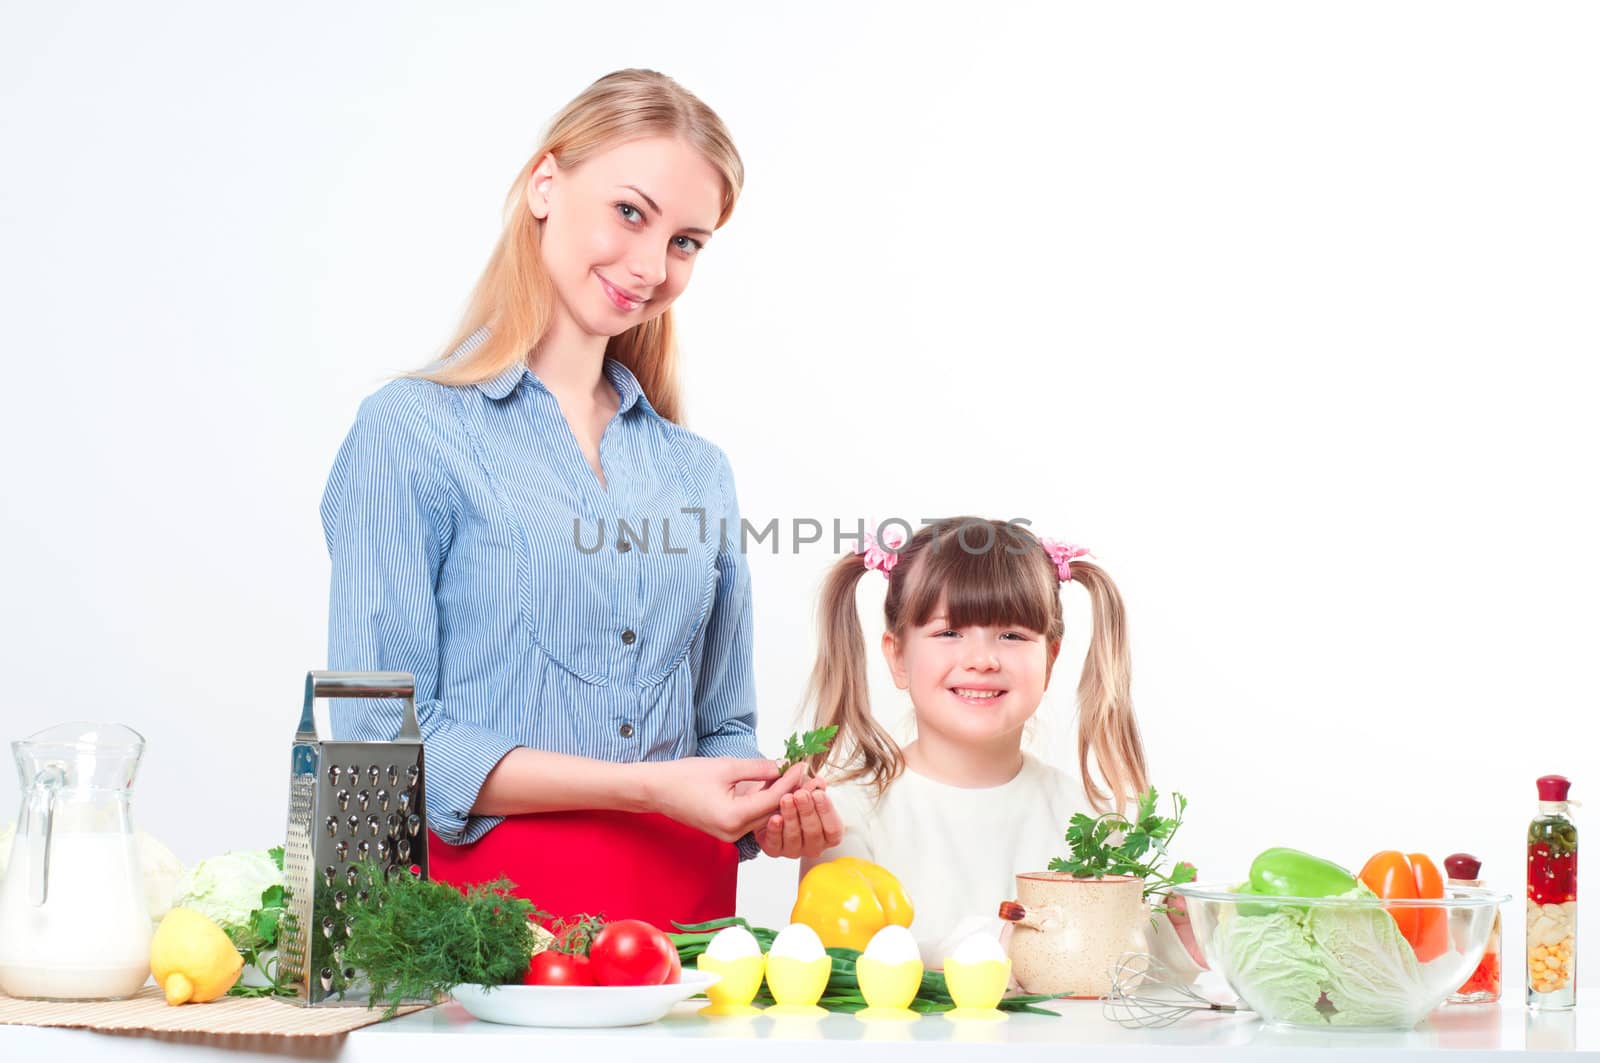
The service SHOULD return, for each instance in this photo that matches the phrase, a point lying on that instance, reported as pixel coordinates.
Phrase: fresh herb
(416, 939)
(258, 943)
(1140, 852)
(842, 992)
(575, 934)
(800, 747)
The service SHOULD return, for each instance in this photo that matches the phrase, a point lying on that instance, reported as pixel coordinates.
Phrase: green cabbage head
(1323, 965)
(227, 888)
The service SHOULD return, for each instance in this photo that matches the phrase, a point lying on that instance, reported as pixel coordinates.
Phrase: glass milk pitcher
(74, 924)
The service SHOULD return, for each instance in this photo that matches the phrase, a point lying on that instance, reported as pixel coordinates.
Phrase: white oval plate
(579, 1005)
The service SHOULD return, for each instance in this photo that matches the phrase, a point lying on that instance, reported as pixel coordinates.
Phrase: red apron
(621, 865)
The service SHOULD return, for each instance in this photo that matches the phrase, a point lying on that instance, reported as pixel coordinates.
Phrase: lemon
(192, 959)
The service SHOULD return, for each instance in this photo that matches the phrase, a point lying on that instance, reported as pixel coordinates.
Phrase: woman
(527, 529)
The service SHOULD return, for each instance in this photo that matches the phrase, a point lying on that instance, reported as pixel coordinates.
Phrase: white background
(1288, 311)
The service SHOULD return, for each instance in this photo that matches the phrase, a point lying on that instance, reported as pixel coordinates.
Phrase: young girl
(972, 628)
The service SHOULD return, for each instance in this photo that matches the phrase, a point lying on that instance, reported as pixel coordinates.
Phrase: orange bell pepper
(1433, 929)
(1389, 876)
(1394, 875)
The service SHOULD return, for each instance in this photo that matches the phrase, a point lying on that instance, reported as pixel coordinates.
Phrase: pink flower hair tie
(1063, 554)
(874, 556)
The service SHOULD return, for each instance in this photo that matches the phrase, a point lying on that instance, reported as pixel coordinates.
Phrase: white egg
(733, 943)
(797, 942)
(979, 948)
(893, 944)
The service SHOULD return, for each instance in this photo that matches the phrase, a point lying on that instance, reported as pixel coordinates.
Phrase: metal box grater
(349, 802)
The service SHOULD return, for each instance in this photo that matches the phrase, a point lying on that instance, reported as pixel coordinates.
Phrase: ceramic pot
(1068, 932)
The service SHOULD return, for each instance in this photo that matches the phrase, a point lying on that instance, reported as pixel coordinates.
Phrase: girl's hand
(723, 796)
(806, 824)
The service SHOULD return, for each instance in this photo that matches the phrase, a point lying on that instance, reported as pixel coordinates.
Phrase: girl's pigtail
(838, 689)
(1106, 723)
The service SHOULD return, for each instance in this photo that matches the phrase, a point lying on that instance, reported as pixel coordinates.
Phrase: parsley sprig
(800, 747)
(258, 942)
(1140, 852)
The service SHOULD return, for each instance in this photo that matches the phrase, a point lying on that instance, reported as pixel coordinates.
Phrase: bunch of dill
(415, 939)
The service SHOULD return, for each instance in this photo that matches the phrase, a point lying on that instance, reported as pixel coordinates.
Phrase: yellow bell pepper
(848, 900)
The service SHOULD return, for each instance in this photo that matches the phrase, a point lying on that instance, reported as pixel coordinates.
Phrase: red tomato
(632, 952)
(557, 968)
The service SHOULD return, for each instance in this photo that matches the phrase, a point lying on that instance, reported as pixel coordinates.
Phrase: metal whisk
(1146, 994)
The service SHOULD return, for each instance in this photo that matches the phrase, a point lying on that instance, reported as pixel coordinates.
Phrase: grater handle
(359, 685)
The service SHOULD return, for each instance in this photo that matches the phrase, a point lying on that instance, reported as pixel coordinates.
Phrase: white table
(448, 1033)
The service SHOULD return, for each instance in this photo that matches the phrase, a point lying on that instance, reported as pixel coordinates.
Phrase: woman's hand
(806, 824)
(723, 796)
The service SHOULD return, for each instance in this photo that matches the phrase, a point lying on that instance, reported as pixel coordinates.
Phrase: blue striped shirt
(474, 547)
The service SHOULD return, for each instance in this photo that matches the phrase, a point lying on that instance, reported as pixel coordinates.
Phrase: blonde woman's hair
(514, 300)
(986, 573)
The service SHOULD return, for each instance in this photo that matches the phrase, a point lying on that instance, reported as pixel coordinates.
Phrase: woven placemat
(148, 1010)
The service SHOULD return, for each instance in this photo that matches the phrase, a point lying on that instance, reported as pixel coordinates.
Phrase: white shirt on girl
(957, 850)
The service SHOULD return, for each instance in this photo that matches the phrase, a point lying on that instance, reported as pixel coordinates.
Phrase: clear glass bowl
(1340, 962)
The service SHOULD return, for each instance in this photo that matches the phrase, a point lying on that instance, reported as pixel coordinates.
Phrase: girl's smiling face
(622, 230)
(976, 684)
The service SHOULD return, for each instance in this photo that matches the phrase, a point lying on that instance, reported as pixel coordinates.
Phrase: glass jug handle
(41, 818)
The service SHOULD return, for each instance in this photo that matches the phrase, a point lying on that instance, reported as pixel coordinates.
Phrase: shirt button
(626, 730)
(628, 636)
(623, 546)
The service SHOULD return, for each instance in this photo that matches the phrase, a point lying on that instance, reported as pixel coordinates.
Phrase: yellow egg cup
(797, 985)
(731, 994)
(977, 988)
(888, 988)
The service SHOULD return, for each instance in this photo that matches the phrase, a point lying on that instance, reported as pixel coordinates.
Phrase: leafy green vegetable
(243, 892)
(261, 950)
(1377, 980)
(416, 939)
(842, 993)
(1139, 853)
(800, 747)
(1340, 966)
(1273, 955)
(228, 889)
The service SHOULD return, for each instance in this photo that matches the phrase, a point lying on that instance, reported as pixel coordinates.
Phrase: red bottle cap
(1464, 866)
(1553, 787)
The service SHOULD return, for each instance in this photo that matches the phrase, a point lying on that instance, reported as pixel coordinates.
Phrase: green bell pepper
(1292, 873)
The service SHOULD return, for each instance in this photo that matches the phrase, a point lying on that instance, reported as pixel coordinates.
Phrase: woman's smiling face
(974, 684)
(622, 230)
